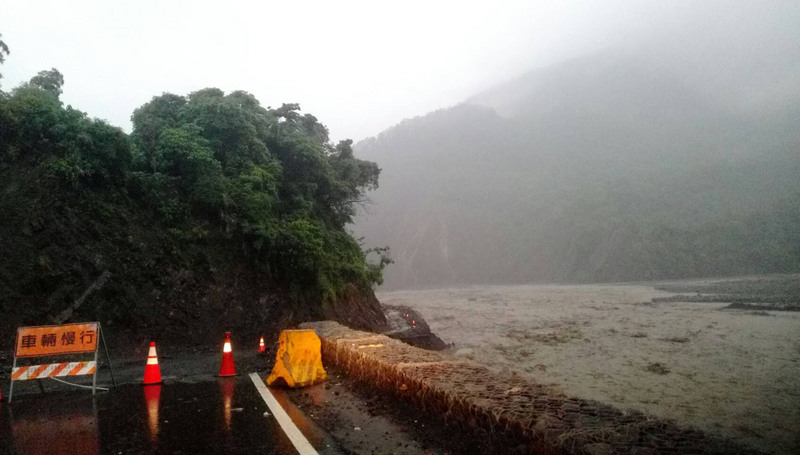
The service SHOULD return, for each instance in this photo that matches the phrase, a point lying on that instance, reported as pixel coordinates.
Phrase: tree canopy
(3, 50)
(208, 188)
(268, 178)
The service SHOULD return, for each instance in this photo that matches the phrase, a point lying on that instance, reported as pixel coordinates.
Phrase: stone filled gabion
(516, 414)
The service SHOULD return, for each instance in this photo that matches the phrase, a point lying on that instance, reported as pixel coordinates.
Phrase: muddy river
(726, 371)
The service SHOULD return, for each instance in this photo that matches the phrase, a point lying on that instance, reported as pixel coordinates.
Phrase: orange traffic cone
(152, 372)
(261, 348)
(227, 368)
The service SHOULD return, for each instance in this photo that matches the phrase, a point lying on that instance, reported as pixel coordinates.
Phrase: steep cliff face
(144, 295)
(357, 308)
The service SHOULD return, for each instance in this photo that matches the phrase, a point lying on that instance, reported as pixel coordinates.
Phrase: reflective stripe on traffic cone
(261, 347)
(152, 372)
(227, 368)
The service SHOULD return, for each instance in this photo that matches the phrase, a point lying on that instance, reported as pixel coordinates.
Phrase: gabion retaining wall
(516, 414)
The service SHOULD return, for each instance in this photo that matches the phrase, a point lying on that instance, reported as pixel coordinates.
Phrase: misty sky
(361, 67)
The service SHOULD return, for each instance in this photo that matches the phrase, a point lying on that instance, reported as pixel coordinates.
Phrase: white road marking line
(300, 442)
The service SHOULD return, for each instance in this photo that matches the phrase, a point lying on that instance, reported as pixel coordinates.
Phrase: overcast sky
(359, 67)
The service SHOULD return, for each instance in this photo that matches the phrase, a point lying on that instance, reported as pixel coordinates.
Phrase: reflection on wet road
(51, 427)
(224, 415)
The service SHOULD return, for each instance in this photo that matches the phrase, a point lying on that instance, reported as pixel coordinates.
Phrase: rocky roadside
(366, 420)
(408, 325)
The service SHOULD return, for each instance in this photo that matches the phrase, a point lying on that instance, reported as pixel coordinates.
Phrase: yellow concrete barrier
(299, 360)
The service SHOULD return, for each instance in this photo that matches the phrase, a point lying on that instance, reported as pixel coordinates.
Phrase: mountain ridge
(613, 171)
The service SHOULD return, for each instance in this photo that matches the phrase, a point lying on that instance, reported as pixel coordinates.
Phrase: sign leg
(11, 386)
(105, 347)
(94, 376)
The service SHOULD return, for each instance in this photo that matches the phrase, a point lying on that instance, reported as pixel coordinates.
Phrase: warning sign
(52, 340)
(56, 339)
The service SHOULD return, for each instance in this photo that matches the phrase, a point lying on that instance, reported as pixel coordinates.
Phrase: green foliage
(39, 131)
(267, 179)
(48, 81)
(3, 50)
(62, 194)
(204, 182)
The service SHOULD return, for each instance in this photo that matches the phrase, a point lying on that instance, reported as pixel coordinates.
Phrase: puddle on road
(222, 416)
(51, 426)
(152, 399)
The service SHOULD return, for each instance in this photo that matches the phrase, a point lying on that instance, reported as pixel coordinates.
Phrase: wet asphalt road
(205, 415)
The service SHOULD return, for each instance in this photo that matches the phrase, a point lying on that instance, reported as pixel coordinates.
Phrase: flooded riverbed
(730, 372)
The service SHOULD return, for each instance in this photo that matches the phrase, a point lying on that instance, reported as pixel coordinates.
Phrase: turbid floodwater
(731, 372)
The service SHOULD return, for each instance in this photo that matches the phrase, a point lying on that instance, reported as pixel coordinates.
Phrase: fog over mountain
(672, 159)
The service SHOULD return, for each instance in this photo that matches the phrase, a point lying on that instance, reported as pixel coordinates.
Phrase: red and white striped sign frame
(55, 370)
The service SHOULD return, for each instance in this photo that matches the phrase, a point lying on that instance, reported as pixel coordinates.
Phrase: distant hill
(605, 168)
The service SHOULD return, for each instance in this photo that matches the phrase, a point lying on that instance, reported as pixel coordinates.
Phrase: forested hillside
(214, 212)
(606, 168)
